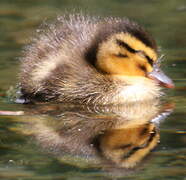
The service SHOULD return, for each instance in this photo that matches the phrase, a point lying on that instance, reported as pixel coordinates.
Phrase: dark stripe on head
(135, 149)
(130, 27)
(150, 61)
(123, 146)
(142, 36)
(143, 68)
(125, 45)
(130, 153)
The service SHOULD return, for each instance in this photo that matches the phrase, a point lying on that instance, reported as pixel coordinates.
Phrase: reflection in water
(127, 146)
(117, 136)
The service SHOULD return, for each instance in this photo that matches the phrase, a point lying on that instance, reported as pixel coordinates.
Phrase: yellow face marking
(118, 144)
(114, 59)
(137, 44)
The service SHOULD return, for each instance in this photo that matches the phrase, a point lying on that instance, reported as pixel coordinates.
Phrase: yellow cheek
(121, 66)
(129, 66)
(149, 68)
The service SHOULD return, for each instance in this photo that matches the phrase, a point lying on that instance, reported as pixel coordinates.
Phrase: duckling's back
(54, 63)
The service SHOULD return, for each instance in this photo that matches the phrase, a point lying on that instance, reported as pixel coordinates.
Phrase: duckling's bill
(158, 75)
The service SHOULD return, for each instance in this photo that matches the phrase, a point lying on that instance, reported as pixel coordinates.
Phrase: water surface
(25, 155)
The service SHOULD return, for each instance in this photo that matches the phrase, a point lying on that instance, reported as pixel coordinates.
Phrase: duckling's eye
(120, 55)
(143, 55)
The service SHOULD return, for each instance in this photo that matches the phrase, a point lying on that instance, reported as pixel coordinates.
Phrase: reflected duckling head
(128, 146)
(92, 61)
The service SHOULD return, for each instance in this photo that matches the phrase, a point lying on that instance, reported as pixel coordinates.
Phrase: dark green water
(25, 150)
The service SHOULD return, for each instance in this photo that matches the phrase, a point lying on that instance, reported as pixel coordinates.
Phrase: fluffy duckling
(92, 61)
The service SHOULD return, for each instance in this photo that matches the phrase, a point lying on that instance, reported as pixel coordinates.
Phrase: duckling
(91, 60)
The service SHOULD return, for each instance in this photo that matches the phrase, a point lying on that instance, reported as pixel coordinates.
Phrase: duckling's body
(90, 60)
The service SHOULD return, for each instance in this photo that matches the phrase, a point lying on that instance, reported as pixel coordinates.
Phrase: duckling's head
(128, 146)
(126, 51)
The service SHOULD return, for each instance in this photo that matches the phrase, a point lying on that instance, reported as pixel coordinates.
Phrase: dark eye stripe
(123, 44)
(122, 146)
(150, 61)
(135, 149)
(143, 68)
